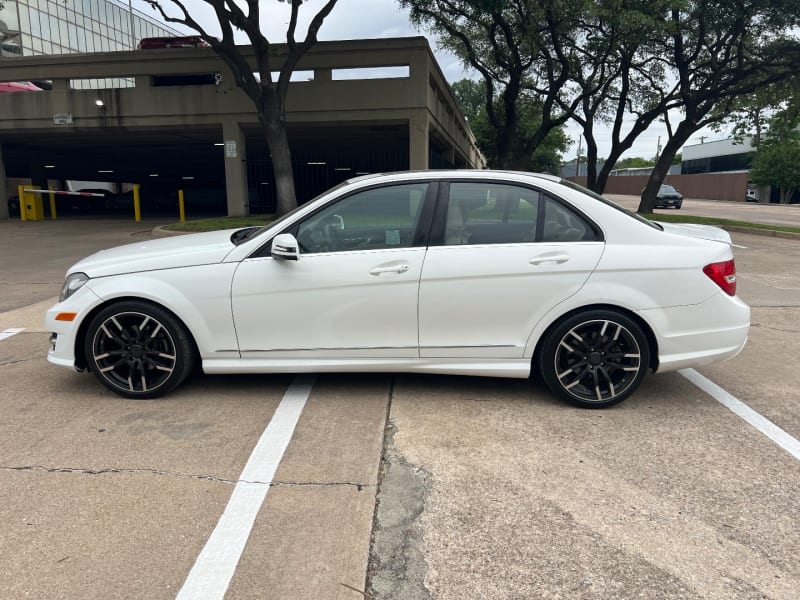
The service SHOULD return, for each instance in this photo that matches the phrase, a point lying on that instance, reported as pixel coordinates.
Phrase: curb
(787, 235)
(160, 232)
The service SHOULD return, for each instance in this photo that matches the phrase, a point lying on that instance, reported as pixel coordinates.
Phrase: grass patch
(719, 222)
(218, 223)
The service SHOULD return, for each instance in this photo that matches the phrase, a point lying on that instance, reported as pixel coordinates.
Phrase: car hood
(166, 253)
(703, 232)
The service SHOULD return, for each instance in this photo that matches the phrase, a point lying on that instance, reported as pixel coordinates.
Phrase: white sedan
(454, 272)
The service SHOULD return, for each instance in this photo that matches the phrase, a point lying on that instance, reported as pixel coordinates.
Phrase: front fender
(198, 296)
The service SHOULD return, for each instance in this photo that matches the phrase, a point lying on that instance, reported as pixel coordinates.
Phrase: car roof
(452, 174)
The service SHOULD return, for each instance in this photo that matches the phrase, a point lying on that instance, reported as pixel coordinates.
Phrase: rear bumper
(701, 334)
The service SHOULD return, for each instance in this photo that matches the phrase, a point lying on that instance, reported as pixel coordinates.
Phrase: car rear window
(594, 195)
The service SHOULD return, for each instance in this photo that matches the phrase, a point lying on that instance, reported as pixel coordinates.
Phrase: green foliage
(634, 162)
(517, 49)
(546, 158)
(777, 161)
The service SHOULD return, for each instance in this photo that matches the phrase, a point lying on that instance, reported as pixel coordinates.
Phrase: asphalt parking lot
(488, 488)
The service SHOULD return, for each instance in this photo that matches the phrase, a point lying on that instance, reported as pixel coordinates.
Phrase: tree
(517, 48)
(718, 52)
(750, 113)
(777, 161)
(620, 75)
(471, 96)
(268, 96)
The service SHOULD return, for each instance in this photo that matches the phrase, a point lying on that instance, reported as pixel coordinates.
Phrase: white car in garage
(454, 272)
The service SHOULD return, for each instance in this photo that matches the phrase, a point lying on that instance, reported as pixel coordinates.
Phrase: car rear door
(504, 255)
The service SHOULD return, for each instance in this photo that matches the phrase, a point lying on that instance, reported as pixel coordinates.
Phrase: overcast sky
(354, 19)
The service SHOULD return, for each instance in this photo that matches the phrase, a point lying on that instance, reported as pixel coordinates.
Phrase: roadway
(787, 215)
(485, 487)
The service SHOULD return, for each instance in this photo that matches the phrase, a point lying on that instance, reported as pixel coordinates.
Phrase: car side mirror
(285, 247)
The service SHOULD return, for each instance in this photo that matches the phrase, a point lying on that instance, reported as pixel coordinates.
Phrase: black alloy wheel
(595, 359)
(138, 349)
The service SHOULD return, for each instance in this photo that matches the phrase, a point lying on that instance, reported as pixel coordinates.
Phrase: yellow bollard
(181, 206)
(137, 203)
(21, 197)
(31, 204)
(52, 202)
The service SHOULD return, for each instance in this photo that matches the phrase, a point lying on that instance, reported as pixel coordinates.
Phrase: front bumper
(64, 334)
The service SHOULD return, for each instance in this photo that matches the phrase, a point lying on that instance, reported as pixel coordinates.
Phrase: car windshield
(668, 189)
(607, 202)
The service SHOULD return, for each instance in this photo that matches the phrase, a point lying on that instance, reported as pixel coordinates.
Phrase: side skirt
(513, 368)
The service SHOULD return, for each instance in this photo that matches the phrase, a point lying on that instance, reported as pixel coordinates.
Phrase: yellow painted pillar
(21, 196)
(181, 206)
(52, 203)
(137, 203)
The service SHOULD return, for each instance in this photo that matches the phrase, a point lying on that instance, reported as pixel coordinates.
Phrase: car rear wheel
(138, 349)
(594, 359)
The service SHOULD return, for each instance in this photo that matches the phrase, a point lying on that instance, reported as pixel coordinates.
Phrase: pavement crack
(5, 363)
(781, 329)
(359, 486)
(112, 470)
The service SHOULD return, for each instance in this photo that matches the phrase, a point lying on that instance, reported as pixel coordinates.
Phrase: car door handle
(401, 268)
(550, 257)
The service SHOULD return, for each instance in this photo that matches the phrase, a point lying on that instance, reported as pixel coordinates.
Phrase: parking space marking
(764, 425)
(7, 333)
(214, 568)
(738, 246)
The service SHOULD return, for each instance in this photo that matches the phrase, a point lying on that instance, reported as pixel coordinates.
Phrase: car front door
(353, 291)
(505, 255)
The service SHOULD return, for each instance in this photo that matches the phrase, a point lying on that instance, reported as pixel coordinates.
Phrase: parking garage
(354, 107)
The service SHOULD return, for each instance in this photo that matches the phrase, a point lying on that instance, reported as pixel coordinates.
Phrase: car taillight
(723, 274)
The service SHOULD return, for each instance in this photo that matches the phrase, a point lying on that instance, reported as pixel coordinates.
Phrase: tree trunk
(660, 170)
(278, 142)
(591, 161)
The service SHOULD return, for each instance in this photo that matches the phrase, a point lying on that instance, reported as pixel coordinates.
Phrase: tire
(138, 349)
(594, 359)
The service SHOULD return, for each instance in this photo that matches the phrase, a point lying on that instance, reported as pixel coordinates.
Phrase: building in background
(35, 27)
(720, 156)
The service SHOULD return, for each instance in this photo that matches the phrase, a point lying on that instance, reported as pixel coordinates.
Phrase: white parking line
(216, 564)
(764, 425)
(738, 246)
(7, 333)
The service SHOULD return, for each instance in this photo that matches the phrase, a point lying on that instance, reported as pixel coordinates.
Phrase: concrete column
(235, 169)
(4, 191)
(418, 142)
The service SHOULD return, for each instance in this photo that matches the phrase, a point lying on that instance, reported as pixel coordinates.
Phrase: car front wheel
(594, 359)
(138, 349)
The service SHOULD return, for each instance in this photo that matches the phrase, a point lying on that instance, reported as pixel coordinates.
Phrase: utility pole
(578, 159)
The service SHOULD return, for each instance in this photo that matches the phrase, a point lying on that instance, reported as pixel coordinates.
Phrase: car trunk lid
(694, 230)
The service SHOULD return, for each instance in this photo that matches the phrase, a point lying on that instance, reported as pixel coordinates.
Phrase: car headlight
(72, 284)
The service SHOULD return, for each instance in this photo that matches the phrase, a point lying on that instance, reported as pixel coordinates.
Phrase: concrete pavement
(491, 489)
